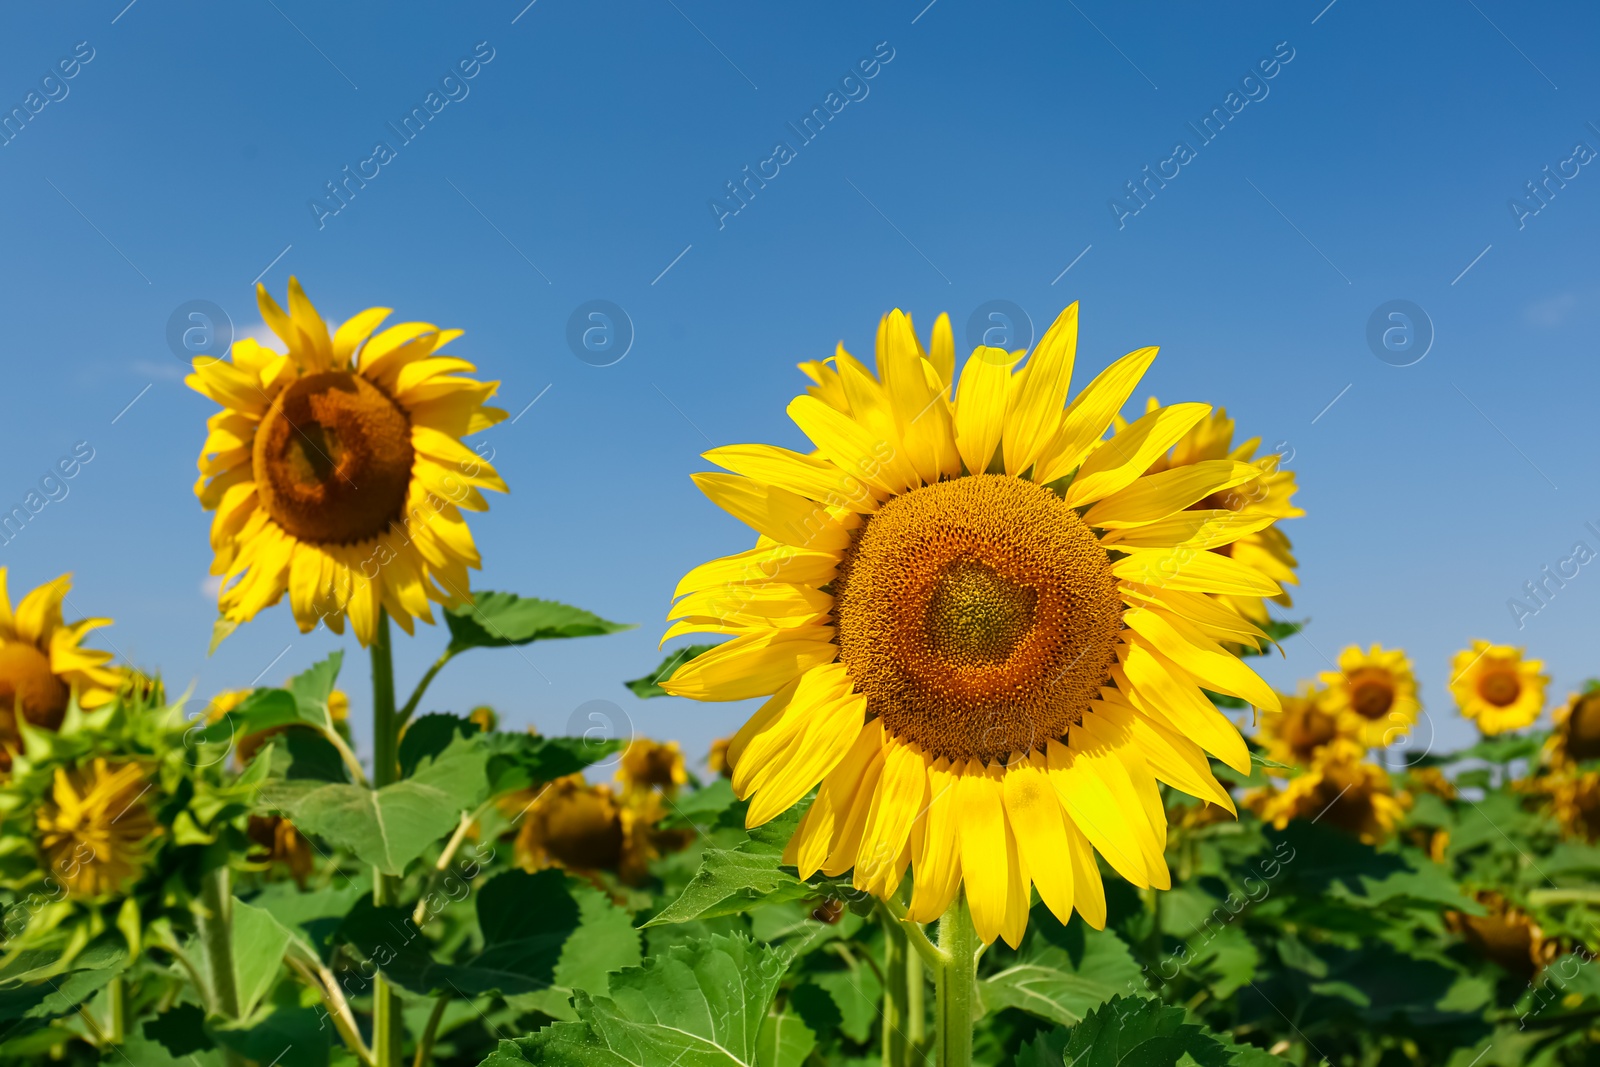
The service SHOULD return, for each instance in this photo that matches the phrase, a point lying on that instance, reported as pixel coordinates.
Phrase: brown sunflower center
(1583, 728)
(583, 829)
(333, 459)
(978, 616)
(1371, 693)
(1309, 728)
(29, 686)
(1500, 687)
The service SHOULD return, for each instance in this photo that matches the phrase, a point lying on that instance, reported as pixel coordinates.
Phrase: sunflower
(984, 630)
(337, 471)
(95, 827)
(1375, 692)
(1506, 935)
(1576, 738)
(276, 840)
(1341, 790)
(1496, 688)
(1575, 802)
(1304, 729)
(1266, 550)
(43, 663)
(587, 829)
(648, 765)
(717, 761)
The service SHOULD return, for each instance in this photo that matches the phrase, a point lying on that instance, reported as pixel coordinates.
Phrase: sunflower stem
(215, 919)
(430, 1032)
(422, 686)
(896, 1051)
(117, 992)
(956, 986)
(386, 1034)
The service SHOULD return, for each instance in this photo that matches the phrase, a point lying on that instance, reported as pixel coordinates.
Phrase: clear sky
(1368, 153)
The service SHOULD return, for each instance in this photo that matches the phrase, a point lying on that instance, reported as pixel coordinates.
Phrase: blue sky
(981, 161)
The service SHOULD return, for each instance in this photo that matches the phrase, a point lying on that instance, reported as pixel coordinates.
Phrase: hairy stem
(955, 986)
(386, 1033)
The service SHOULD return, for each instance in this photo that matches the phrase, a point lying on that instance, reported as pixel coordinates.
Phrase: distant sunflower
(1376, 691)
(1340, 790)
(1507, 935)
(717, 761)
(587, 829)
(1496, 688)
(96, 826)
(1267, 550)
(43, 663)
(1303, 729)
(650, 765)
(337, 471)
(1575, 802)
(1576, 738)
(986, 631)
(277, 841)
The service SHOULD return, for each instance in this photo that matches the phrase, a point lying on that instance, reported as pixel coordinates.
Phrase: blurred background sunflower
(336, 469)
(986, 630)
(1496, 688)
(1376, 691)
(43, 663)
(96, 826)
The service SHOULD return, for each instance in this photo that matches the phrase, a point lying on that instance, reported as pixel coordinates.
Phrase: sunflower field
(1015, 792)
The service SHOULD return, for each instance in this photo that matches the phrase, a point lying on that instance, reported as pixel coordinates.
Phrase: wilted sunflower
(586, 829)
(1496, 688)
(1340, 790)
(337, 471)
(42, 663)
(1303, 730)
(1375, 691)
(985, 630)
(1576, 738)
(648, 765)
(95, 827)
(1266, 550)
(1506, 935)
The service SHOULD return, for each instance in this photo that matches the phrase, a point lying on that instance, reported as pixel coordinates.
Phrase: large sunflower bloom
(337, 471)
(43, 663)
(984, 629)
(1266, 550)
(95, 827)
(1496, 688)
(1376, 692)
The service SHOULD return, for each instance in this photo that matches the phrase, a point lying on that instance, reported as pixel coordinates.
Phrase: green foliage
(734, 880)
(1062, 973)
(650, 684)
(702, 1004)
(497, 620)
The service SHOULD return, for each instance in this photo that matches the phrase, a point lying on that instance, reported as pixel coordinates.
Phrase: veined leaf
(733, 880)
(391, 826)
(1063, 973)
(496, 620)
(1128, 1032)
(700, 1004)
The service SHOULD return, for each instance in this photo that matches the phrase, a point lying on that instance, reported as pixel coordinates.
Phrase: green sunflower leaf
(785, 1041)
(521, 761)
(391, 826)
(650, 684)
(701, 1004)
(27, 1005)
(1129, 1032)
(541, 934)
(1063, 973)
(498, 620)
(739, 879)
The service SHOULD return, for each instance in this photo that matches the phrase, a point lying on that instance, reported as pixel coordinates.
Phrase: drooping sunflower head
(96, 827)
(1266, 550)
(1375, 693)
(336, 469)
(984, 628)
(43, 663)
(1506, 935)
(1340, 790)
(1496, 687)
(1305, 728)
(648, 765)
(1576, 738)
(588, 829)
